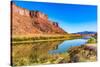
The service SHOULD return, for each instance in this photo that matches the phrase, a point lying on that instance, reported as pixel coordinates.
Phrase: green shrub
(91, 40)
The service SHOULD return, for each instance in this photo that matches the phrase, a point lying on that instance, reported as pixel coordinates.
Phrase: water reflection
(42, 52)
(27, 54)
(63, 47)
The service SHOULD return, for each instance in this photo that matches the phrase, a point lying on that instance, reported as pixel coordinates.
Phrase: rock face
(32, 22)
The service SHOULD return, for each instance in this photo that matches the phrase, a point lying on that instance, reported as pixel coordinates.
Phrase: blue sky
(71, 17)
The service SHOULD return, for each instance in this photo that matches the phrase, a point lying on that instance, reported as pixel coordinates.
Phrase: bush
(91, 40)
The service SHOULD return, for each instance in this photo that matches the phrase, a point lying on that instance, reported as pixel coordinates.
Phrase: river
(42, 52)
(63, 47)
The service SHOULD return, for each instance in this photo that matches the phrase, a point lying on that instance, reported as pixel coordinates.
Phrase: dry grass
(39, 38)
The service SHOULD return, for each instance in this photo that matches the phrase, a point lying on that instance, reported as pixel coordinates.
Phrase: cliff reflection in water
(36, 53)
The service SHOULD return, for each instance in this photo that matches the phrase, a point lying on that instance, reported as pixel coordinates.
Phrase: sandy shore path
(94, 45)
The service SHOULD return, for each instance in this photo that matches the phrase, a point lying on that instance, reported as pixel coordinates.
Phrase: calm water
(63, 47)
(42, 52)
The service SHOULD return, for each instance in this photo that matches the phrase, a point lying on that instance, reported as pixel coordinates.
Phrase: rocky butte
(26, 22)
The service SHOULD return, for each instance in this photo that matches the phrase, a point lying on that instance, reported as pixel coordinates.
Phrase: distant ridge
(86, 32)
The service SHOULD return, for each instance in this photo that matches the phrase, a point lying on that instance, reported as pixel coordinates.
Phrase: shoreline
(92, 44)
(31, 39)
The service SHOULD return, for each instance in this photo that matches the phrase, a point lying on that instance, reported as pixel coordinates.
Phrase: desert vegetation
(38, 38)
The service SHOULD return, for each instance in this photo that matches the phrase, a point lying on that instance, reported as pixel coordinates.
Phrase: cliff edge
(32, 22)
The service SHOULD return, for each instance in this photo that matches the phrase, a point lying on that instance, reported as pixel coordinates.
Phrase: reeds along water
(46, 37)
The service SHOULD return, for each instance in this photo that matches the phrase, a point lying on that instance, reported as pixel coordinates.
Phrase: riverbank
(38, 53)
(40, 38)
(84, 53)
(93, 45)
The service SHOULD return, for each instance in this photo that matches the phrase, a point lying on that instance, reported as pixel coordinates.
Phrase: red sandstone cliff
(32, 22)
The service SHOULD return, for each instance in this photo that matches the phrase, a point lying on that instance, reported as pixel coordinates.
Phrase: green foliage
(91, 40)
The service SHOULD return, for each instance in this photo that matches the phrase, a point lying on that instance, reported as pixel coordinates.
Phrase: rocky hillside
(32, 22)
